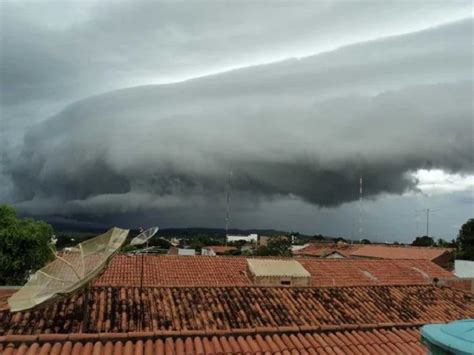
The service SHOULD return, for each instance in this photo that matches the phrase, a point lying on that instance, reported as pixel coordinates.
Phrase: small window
(285, 283)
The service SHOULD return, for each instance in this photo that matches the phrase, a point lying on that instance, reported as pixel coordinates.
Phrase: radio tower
(428, 211)
(227, 204)
(360, 206)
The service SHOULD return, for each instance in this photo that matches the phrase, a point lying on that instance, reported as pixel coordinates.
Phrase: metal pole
(85, 310)
(142, 312)
(227, 205)
(428, 222)
(360, 206)
(141, 273)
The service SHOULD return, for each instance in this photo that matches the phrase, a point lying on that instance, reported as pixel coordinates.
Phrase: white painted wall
(247, 238)
(464, 268)
(208, 252)
(298, 247)
(186, 252)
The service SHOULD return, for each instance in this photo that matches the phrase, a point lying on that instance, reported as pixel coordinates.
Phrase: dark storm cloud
(306, 128)
(85, 48)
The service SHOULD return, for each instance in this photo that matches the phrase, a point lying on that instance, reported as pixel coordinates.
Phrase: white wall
(207, 252)
(186, 252)
(247, 238)
(464, 268)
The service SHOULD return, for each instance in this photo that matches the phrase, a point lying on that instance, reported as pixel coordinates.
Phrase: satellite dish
(141, 251)
(69, 271)
(143, 237)
(140, 239)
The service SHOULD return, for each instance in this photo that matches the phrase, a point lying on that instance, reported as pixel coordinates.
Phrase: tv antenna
(141, 239)
(361, 185)
(229, 187)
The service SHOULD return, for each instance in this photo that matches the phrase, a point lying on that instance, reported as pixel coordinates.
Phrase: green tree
(23, 246)
(465, 240)
(424, 241)
(445, 244)
(275, 247)
(365, 241)
(7, 216)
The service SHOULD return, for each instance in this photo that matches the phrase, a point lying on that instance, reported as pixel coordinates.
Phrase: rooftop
(119, 309)
(323, 249)
(401, 340)
(5, 293)
(172, 270)
(399, 252)
(273, 267)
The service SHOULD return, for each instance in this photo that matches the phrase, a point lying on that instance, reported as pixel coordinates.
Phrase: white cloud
(437, 181)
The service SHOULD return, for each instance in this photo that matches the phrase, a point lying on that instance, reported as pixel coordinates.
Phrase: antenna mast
(428, 211)
(227, 204)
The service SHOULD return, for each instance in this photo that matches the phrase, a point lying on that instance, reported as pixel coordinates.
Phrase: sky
(148, 113)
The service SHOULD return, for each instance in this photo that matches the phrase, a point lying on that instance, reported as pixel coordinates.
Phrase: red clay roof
(236, 308)
(394, 340)
(170, 270)
(399, 252)
(323, 249)
(5, 293)
(373, 251)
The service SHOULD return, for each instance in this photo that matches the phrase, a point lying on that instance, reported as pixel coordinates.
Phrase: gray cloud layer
(93, 47)
(305, 128)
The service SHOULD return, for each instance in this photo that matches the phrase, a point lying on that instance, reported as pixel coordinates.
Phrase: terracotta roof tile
(170, 270)
(323, 249)
(5, 293)
(177, 310)
(399, 252)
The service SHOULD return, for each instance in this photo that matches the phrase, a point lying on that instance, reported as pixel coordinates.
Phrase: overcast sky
(134, 113)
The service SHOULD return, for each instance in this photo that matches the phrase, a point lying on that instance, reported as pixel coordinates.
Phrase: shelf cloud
(309, 127)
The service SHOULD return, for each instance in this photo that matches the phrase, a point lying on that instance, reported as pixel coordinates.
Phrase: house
(464, 270)
(251, 238)
(181, 251)
(271, 272)
(217, 305)
(5, 293)
(188, 252)
(324, 250)
(437, 255)
(295, 248)
(381, 319)
(263, 239)
(214, 250)
(173, 270)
